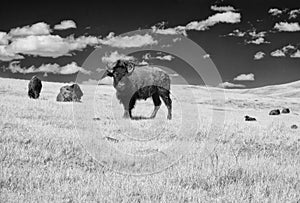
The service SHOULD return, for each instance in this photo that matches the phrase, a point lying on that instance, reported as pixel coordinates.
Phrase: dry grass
(42, 159)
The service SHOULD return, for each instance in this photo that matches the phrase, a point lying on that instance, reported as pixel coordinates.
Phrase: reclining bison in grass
(133, 82)
(70, 93)
(34, 87)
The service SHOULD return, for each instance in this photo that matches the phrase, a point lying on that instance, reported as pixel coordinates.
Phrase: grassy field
(45, 154)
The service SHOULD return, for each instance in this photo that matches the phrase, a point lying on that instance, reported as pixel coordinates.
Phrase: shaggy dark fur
(285, 110)
(69, 93)
(34, 87)
(274, 112)
(248, 118)
(134, 83)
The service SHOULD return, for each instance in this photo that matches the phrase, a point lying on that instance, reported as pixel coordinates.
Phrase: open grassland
(42, 158)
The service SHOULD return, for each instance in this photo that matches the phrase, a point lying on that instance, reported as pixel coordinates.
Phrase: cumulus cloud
(114, 56)
(275, 11)
(245, 77)
(225, 17)
(278, 53)
(259, 55)
(148, 56)
(257, 41)
(289, 49)
(106, 81)
(165, 57)
(65, 24)
(40, 28)
(50, 45)
(294, 13)
(8, 55)
(230, 85)
(4, 38)
(136, 40)
(222, 8)
(205, 56)
(296, 54)
(287, 27)
(48, 68)
(237, 33)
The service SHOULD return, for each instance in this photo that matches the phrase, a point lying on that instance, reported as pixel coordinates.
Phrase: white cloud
(8, 55)
(205, 56)
(148, 56)
(222, 8)
(259, 55)
(288, 47)
(294, 13)
(169, 31)
(245, 77)
(230, 85)
(225, 17)
(128, 41)
(255, 34)
(278, 53)
(50, 45)
(4, 38)
(287, 27)
(275, 11)
(48, 68)
(106, 81)
(114, 56)
(40, 28)
(296, 54)
(257, 41)
(176, 39)
(237, 33)
(143, 63)
(65, 24)
(165, 57)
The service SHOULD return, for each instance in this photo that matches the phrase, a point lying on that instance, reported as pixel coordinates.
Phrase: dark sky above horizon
(251, 43)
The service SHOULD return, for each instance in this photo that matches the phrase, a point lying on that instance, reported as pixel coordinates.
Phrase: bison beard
(133, 84)
(34, 87)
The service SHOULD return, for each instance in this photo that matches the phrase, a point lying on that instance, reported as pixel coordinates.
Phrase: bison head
(120, 69)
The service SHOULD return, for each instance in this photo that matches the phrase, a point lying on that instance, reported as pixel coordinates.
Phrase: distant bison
(69, 93)
(134, 83)
(285, 110)
(294, 126)
(34, 87)
(248, 118)
(274, 112)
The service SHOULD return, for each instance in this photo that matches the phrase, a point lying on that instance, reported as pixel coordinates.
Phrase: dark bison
(34, 87)
(69, 93)
(248, 118)
(274, 112)
(285, 110)
(133, 82)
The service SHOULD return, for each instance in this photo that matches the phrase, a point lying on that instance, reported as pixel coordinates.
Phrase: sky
(248, 43)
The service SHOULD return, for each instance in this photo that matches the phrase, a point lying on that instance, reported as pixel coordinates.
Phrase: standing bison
(134, 83)
(34, 87)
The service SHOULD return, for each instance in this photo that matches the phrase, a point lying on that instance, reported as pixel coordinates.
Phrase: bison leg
(165, 95)
(157, 103)
(132, 104)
